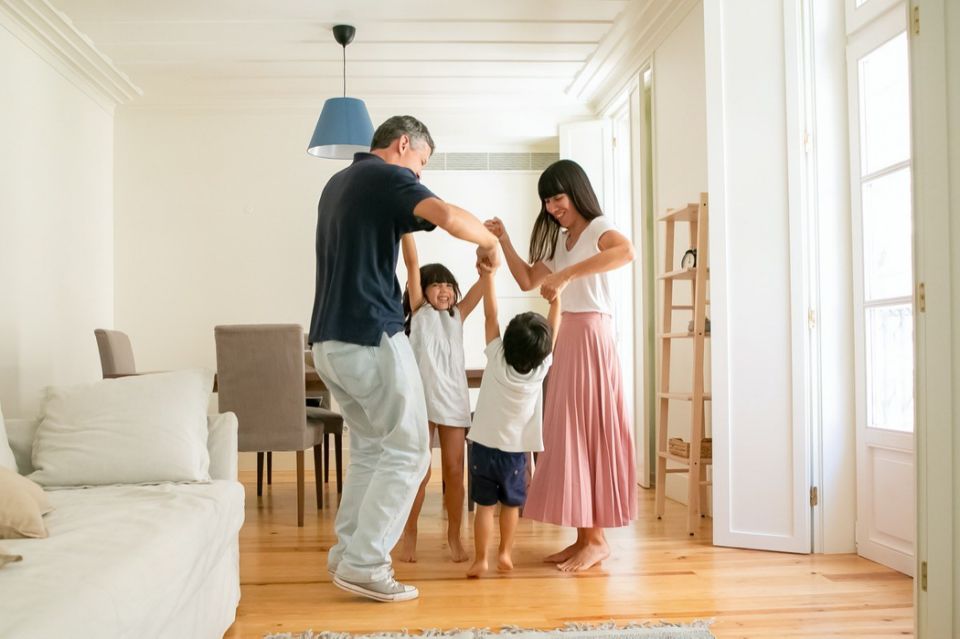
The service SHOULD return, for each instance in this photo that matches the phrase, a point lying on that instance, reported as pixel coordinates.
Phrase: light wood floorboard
(656, 572)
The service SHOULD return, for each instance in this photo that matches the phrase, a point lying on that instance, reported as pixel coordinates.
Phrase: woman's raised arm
(528, 276)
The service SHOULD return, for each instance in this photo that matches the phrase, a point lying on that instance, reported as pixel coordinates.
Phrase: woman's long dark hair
(430, 274)
(564, 176)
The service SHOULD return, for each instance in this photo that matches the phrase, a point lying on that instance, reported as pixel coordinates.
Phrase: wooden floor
(656, 572)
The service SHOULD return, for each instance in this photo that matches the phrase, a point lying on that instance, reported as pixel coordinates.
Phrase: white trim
(798, 209)
(935, 206)
(857, 18)
(53, 36)
(626, 48)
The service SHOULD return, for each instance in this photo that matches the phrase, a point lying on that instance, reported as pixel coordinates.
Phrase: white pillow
(6, 453)
(132, 430)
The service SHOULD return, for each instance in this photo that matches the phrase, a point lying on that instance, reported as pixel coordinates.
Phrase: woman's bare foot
(478, 568)
(587, 557)
(457, 553)
(504, 562)
(406, 550)
(563, 555)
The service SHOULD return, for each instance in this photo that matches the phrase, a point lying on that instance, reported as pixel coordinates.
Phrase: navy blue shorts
(497, 476)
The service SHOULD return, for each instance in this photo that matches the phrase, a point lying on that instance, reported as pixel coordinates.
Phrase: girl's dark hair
(564, 176)
(430, 274)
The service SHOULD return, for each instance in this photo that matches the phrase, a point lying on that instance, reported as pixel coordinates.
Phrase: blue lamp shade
(344, 128)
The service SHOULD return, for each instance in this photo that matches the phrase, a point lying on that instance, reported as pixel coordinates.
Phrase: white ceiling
(518, 54)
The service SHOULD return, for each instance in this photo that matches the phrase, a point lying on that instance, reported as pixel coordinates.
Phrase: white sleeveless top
(590, 293)
(437, 341)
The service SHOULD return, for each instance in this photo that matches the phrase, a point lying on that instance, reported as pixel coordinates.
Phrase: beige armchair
(116, 354)
(260, 377)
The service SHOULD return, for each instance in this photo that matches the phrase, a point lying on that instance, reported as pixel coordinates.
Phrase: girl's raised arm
(471, 299)
(411, 260)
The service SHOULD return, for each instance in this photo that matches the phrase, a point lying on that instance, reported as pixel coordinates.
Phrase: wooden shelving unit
(694, 464)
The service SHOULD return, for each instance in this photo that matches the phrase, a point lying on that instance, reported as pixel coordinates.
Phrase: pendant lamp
(344, 126)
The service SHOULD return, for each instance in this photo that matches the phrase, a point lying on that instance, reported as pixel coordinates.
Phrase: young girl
(435, 315)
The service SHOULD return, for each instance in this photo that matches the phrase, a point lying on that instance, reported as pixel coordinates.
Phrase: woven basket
(680, 448)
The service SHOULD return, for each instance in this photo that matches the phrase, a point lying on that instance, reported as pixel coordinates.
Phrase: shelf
(683, 460)
(680, 335)
(682, 274)
(687, 307)
(687, 397)
(689, 213)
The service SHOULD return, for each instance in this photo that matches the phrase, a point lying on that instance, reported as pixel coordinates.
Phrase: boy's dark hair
(527, 342)
(430, 274)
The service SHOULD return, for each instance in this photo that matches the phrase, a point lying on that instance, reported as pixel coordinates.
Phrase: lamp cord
(344, 70)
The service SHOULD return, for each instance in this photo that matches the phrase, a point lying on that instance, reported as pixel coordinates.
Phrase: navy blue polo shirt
(363, 211)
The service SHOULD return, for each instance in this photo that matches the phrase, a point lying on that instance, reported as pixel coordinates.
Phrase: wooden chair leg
(259, 474)
(316, 474)
(338, 452)
(326, 458)
(269, 467)
(300, 488)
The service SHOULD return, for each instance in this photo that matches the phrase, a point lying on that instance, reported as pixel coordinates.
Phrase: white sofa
(133, 561)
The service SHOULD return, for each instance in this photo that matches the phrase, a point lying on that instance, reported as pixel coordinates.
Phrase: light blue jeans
(380, 395)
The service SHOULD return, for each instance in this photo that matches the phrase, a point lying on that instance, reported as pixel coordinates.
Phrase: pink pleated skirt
(586, 476)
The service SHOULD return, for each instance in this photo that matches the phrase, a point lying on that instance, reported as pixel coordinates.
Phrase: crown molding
(52, 35)
(635, 35)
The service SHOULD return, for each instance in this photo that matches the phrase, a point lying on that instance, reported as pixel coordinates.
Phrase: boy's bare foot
(478, 568)
(504, 562)
(406, 550)
(563, 555)
(585, 558)
(457, 553)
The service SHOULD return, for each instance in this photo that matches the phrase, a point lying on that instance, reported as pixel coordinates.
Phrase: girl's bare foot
(504, 562)
(457, 553)
(406, 550)
(478, 568)
(563, 555)
(587, 557)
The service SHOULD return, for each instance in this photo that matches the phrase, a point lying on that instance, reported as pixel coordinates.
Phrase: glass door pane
(885, 106)
(887, 232)
(889, 370)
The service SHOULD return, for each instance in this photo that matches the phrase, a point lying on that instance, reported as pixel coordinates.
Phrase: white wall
(56, 228)
(215, 222)
(680, 175)
(760, 456)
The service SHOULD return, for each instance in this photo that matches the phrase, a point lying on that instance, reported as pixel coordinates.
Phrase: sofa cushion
(123, 561)
(133, 430)
(6, 455)
(22, 506)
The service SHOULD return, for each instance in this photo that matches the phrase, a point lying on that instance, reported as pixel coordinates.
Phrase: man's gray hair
(399, 125)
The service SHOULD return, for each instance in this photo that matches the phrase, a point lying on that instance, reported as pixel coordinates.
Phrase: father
(361, 351)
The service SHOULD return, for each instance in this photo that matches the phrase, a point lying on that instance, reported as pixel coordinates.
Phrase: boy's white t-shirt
(592, 292)
(509, 413)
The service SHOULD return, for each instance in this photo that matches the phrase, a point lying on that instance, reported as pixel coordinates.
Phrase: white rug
(695, 630)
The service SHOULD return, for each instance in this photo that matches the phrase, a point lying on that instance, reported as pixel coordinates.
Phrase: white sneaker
(388, 589)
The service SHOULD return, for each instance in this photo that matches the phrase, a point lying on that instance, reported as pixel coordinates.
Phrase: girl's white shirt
(590, 293)
(437, 341)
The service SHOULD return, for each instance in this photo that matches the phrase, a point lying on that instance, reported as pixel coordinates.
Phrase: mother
(585, 476)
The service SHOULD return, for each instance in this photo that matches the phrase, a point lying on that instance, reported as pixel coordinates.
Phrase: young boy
(508, 420)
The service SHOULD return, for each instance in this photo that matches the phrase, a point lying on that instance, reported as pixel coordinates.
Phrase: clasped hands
(551, 286)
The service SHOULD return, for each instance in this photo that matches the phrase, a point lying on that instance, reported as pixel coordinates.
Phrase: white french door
(881, 175)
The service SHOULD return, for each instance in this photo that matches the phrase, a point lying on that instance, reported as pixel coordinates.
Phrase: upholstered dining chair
(116, 354)
(260, 377)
